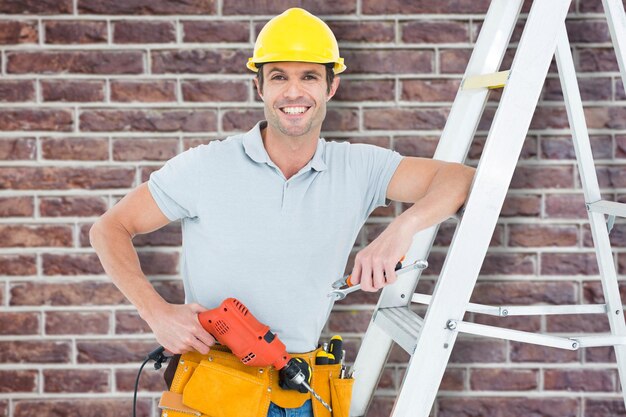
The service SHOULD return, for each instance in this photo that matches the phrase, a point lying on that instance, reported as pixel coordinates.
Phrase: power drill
(254, 344)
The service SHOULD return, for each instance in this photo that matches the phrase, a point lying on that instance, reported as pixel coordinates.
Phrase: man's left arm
(437, 189)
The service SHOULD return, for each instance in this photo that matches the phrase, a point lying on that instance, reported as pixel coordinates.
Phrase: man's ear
(333, 88)
(257, 86)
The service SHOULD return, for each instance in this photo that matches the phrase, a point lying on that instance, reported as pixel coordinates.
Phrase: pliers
(343, 286)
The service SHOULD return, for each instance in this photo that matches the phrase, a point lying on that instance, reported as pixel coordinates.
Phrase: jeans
(306, 410)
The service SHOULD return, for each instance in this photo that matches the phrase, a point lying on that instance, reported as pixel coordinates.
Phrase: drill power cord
(159, 359)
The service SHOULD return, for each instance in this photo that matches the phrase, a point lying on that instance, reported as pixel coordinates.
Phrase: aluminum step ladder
(430, 340)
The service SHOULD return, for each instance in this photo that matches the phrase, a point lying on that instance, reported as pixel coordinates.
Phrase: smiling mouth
(294, 110)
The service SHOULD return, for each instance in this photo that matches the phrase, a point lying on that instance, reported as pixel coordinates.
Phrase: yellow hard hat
(296, 36)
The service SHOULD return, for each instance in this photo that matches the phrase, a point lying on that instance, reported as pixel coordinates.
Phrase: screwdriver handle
(335, 348)
(398, 266)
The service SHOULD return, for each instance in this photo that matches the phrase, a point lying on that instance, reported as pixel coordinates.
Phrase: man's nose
(294, 89)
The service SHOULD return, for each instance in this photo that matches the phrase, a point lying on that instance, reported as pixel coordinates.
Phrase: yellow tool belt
(219, 385)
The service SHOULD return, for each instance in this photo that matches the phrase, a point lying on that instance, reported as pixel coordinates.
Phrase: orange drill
(254, 344)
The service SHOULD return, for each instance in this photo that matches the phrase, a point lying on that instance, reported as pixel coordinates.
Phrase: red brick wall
(96, 94)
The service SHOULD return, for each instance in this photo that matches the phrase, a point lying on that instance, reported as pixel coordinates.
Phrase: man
(270, 216)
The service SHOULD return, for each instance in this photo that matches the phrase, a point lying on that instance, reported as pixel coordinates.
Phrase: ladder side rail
(491, 182)
(589, 181)
(616, 18)
(453, 146)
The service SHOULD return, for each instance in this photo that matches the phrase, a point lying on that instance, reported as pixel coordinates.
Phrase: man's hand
(178, 330)
(374, 266)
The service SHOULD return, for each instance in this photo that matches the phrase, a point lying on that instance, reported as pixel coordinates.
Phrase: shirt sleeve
(374, 167)
(174, 187)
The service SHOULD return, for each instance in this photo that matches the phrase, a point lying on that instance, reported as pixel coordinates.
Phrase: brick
(17, 90)
(36, 119)
(611, 176)
(18, 381)
(341, 120)
(149, 381)
(529, 235)
(147, 7)
(369, 31)
(524, 352)
(529, 148)
(240, 120)
(568, 264)
(478, 351)
(423, 7)
(589, 380)
(114, 351)
(27, 351)
(75, 62)
(600, 355)
(129, 322)
(16, 265)
(76, 380)
(503, 379)
(565, 206)
(35, 236)
(77, 322)
(199, 90)
(380, 406)
(606, 117)
(593, 293)
(387, 379)
(17, 148)
(365, 90)
(148, 120)
(617, 236)
(73, 91)
(521, 205)
(588, 31)
(159, 263)
(510, 407)
(137, 149)
(563, 148)
(200, 61)
(71, 264)
(447, 229)
(105, 407)
(604, 407)
(275, 7)
(349, 321)
(405, 119)
(63, 294)
(143, 91)
(21, 323)
(133, 31)
(596, 60)
(389, 61)
(453, 380)
(75, 31)
(211, 31)
(509, 263)
(75, 148)
(620, 146)
(524, 293)
(591, 89)
(543, 177)
(36, 7)
(420, 146)
(430, 90)
(72, 206)
(453, 61)
(620, 93)
(16, 206)
(437, 31)
(64, 178)
(17, 32)
(549, 118)
(145, 172)
(577, 323)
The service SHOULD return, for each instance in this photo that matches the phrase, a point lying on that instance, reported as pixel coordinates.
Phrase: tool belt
(219, 385)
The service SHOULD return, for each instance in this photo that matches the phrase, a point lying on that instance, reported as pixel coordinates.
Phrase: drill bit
(317, 396)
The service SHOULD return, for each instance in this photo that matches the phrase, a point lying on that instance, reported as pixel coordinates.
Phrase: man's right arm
(175, 326)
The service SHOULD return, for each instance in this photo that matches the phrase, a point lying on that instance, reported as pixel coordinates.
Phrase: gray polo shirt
(274, 244)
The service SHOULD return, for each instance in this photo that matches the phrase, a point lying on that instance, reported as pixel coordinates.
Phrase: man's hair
(330, 76)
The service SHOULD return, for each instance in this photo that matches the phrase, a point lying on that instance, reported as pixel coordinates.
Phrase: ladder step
(491, 81)
(608, 207)
(401, 324)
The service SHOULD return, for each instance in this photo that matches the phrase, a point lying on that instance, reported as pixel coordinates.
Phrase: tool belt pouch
(334, 390)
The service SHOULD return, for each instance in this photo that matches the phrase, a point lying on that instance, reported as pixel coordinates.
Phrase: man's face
(295, 96)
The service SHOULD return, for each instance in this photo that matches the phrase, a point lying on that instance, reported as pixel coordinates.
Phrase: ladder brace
(569, 343)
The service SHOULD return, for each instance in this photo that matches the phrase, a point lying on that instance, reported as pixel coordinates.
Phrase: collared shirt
(275, 244)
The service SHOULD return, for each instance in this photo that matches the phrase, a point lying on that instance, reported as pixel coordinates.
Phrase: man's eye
(278, 77)
(310, 77)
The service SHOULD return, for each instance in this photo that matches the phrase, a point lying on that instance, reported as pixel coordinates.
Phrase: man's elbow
(466, 176)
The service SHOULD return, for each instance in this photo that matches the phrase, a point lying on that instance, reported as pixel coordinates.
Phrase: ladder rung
(608, 207)
(401, 324)
(491, 81)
